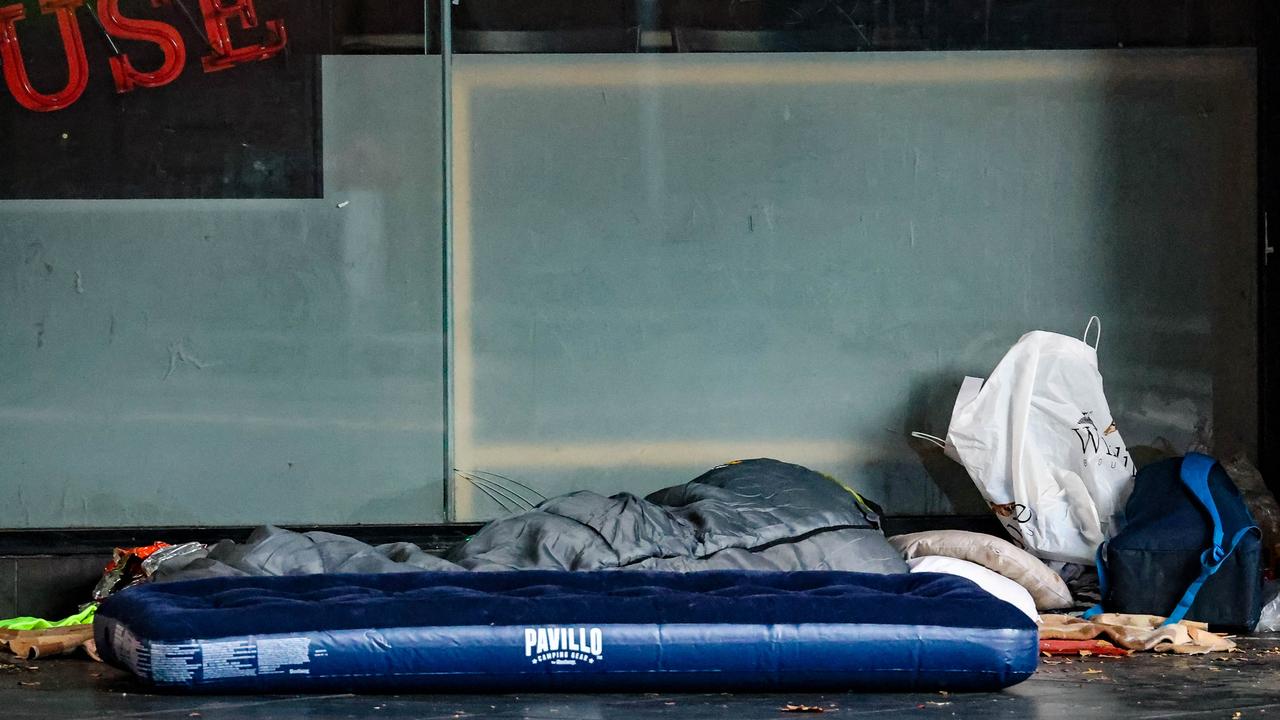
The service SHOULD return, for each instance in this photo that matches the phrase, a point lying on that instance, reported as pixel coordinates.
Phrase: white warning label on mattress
(284, 655)
(228, 659)
(174, 663)
(212, 660)
(132, 653)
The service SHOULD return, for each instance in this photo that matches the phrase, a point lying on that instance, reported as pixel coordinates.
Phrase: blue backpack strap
(1100, 559)
(1189, 597)
(1195, 476)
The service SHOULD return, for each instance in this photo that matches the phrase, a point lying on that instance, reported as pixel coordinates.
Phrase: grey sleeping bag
(750, 515)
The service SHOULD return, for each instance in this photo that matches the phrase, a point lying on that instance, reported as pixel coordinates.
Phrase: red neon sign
(126, 76)
(15, 70)
(217, 15)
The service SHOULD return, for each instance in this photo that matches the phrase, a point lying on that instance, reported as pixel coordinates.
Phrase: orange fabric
(1078, 647)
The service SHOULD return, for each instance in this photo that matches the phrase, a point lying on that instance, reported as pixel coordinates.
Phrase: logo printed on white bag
(1094, 442)
(1012, 516)
(563, 645)
(1090, 437)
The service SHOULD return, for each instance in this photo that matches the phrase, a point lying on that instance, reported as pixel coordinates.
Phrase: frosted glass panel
(667, 262)
(237, 362)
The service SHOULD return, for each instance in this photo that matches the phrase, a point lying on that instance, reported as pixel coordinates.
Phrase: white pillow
(993, 582)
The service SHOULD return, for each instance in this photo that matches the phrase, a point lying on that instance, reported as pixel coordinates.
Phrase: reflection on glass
(702, 26)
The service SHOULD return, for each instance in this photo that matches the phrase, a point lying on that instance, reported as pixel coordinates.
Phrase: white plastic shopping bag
(1039, 440)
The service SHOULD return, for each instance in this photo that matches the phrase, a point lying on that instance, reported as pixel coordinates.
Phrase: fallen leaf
(1086, 653)
(789, 708)
(1092, 672)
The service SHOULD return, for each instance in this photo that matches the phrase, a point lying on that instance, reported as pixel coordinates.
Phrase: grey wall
(679, 260)
(235, 362)
(664, 263)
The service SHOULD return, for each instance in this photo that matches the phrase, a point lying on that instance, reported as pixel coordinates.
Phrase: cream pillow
(1001, 556)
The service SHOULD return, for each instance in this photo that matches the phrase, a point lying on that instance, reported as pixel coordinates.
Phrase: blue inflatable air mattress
(569, 631)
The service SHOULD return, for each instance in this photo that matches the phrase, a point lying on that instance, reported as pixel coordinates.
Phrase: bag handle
(1195, 476)
(931, 438)
(1097, 338)
(969, 390)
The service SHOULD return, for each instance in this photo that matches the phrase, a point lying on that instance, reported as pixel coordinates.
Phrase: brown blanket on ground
(1137, 632)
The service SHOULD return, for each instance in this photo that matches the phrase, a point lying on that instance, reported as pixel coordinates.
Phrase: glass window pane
(668, 262)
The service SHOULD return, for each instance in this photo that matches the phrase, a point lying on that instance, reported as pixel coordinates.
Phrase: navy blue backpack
(1188, 548)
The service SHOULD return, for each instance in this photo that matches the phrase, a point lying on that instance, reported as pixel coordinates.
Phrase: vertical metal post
(446, 125)
(1268, 121)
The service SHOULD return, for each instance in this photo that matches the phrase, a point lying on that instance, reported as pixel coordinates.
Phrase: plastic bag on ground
(1039, 441)
(1269, 621)
(1262, 504)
